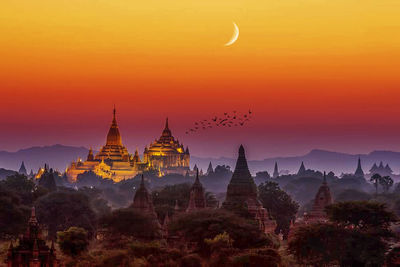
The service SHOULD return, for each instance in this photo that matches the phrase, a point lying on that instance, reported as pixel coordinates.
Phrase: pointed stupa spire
(113, 136)
(22, 169)
(166, 135)
(276, 171)
(242, 186)
(210, 169)
(302, 169)
(324, 181)
(197, 198)
(359, 171)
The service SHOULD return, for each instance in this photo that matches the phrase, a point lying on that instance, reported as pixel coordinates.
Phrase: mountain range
(59, 156)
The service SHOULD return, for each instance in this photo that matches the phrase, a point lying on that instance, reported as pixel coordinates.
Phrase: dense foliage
(197, 226)
(130, 223)
(361, 228)
(279, 205)
(73, 241)
(63, 209)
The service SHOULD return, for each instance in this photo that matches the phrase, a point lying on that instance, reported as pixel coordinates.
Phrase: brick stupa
(242, 193)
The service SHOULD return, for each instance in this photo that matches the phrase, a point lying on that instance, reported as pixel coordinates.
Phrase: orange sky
(316, 73)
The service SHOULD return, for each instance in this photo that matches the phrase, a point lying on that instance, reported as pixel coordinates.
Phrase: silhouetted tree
(73, 241)
(279, 205)
(61, 210)
(47, 180)
(13, 215)
(376, 179)
(206, 224)
(386, 182)
(363, 215)
(130, 223)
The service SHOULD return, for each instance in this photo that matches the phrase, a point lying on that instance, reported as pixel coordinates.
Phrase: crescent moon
(235, 35)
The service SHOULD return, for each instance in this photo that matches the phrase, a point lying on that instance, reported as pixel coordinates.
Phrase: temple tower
(142, 200)
(302, 169)
(197, 199)
(359, 171)
(276, 171)
(32, 249)
(22, 169)
(322, 199)
(210, 169)
(242, 193)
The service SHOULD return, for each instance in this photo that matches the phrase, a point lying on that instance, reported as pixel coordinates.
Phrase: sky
(316, 74)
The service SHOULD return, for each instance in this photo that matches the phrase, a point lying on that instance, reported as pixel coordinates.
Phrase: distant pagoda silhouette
(210, 169)
(197, 199)
(359, 171)
(276, 171)
(242, 193)
(322, 199)
(302, 169)
(22, 169)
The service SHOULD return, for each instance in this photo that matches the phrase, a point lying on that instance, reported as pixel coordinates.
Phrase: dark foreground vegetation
(94, 225)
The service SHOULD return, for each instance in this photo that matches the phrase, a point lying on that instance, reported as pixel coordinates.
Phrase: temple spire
(166, 124)
(324, 178)
(302, 169)
(359, 171)
(276, 172)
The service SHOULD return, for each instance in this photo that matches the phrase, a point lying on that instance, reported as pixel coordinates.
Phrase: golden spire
(113, 136)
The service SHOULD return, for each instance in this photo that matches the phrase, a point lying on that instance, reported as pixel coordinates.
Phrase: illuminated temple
(167, 155)
(113, 161)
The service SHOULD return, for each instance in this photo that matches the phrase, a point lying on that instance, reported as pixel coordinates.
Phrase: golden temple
(113, 161)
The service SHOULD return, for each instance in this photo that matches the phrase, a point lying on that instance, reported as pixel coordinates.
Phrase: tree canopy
(64, 209)
(279, 205)
(206, 224)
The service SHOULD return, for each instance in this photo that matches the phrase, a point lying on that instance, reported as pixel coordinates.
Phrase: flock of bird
(228, 119)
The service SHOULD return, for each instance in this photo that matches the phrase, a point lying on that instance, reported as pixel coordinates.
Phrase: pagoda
(32, 250)
(166, 154)
(359, 173)
(113, 161)
(276, 171)
(210, 169)
(22, 169)
(242, 193)
(197, 199)
(322, 199)
(302, 169)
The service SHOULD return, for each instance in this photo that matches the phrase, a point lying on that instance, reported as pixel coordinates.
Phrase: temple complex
(322, 199)
(197, 199)
(242, 192)
(32, 250)
(359, 173)
(167, 155)
(113, 161)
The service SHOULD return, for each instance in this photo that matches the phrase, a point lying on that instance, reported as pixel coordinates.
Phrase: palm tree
(376, 178)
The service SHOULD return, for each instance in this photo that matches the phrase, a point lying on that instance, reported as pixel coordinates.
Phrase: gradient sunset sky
(317, 74)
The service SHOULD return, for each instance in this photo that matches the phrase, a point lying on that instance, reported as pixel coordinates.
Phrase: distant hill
(4, 173)
(59, 156)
